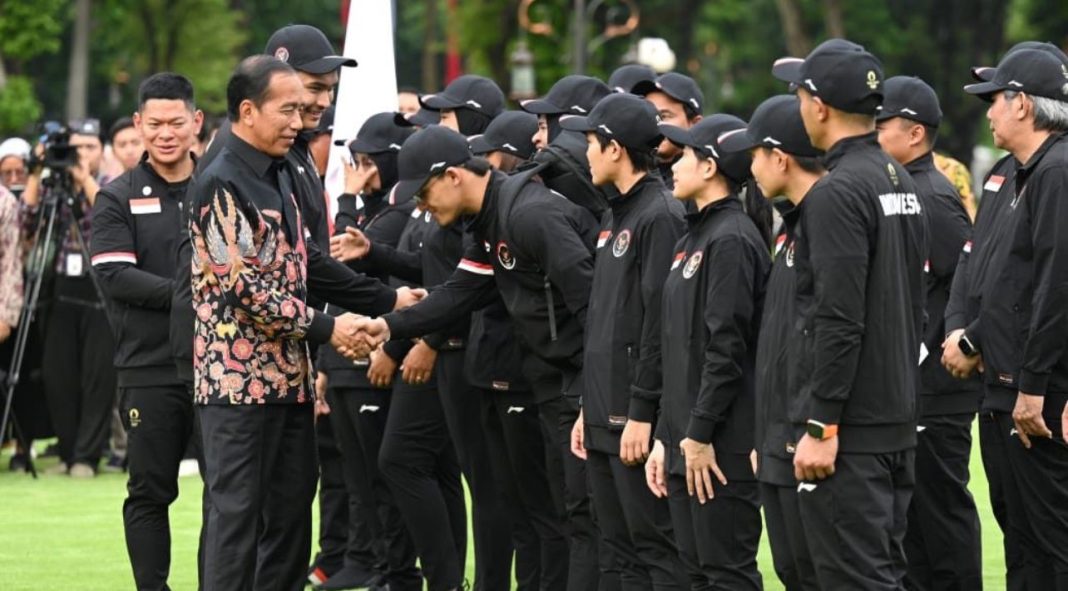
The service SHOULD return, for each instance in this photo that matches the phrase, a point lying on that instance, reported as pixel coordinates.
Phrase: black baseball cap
(1033, 71)
(307, 49)
(678, 86)
(910, 98)
(380, 133)
(704, 138)
(776, 123)
(625, 77)
(626, 118)
(420, 118)
(511, 132)
(841, 73)
(986, 73)
(477, 93)
(424, 155)
(573, 95)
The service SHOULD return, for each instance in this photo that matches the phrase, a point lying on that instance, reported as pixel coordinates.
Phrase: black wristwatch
(967, 347)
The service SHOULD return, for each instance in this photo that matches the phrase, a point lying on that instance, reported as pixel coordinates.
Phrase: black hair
(122, 123)
(930, 135)
(509, 161)
(756, 205)
(809, 164)
(642, 160)
(252, 81)
(166, 86)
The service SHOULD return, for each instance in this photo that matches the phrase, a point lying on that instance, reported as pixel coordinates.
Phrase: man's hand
(1027, 417)
(382, 369)
(814, 459)
(350, 246)
(357, 177)
(634, 443)
(655, 477)
(370, 334)
(407, 297)
(321, 406)
(5, 331)
(700, 466)
(346, 338)
(957, 363)
(578, 436)
(419, 364)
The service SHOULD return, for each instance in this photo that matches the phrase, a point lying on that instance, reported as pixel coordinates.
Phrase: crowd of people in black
(641, 333)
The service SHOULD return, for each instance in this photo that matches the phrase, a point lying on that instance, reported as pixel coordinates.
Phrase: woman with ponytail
(711, 315)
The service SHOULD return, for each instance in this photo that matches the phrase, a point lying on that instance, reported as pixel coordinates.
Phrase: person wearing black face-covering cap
(359, 409)
(467, 105)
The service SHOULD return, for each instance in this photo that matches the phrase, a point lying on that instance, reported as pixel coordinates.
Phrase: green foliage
(18, 106)
(30, 27)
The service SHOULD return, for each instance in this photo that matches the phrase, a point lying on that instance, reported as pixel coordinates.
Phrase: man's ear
(709, 168)
(822, 110)
(137, 121)
(1022, 108)
(244, 111)
(616, 151)
(198, 121)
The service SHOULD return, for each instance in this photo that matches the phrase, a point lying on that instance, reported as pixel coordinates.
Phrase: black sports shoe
(350, 577)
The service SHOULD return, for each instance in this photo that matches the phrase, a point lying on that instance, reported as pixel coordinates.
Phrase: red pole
(453, 66)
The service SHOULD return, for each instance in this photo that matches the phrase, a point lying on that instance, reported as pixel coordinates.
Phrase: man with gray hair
(1024, 346)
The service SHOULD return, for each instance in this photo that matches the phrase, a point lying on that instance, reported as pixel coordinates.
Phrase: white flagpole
(369, 88)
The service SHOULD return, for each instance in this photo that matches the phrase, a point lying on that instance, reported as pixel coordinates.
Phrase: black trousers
(567, 479)
(789, 551)
(1042, 475)
(359, 417)
(635, 525)
(261, 473)
(718, 540)
(160, 423)
(490, 525)
(79, 378)
(335, 532)
(418, 462)
(942, 543)
(539, 533)
(854, 521)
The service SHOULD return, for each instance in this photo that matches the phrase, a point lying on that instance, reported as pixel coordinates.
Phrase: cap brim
(576, 123)
(420, 118)
(326, 64)
(788, 69)
(480, 146)
(440, 101)
(676, 135)
(983, 90)
(737, 142)
(540, 107)
(405, 191)
(358, 146)
(983, 73)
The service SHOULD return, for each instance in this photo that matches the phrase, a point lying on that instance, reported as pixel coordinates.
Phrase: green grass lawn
(58, 533)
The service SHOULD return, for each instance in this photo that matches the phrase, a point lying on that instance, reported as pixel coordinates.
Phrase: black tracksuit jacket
(949, 230)
(1032, 293)
(712, 304)
(621, 362)
(860, 256)
(137, 223)
(540, 260)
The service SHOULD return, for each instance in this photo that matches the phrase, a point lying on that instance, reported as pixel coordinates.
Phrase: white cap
(15, 147)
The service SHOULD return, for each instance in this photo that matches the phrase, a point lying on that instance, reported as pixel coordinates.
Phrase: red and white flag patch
(146, 205)
(603, 237)
(678, 260)
(994, 183)
(968, 247)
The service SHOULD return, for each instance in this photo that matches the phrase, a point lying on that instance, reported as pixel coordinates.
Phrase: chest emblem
(621, 244)
(994, 183)
(692, 265)
(679, 257)
(602, 238)
(505, 256)
(146, 205)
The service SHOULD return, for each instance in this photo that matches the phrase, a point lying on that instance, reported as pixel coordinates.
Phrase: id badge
(74, 264)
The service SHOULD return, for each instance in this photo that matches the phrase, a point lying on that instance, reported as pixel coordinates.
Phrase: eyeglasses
(420, 195)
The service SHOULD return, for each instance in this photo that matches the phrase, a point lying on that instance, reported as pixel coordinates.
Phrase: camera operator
(77, 336)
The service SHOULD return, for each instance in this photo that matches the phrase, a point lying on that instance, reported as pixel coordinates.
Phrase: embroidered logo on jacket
(622, 243)
(692, 265)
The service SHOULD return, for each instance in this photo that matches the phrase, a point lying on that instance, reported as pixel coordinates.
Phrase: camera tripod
(57, 192)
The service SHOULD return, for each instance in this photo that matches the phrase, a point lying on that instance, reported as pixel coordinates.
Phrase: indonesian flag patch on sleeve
(678, 260)
(603, 237)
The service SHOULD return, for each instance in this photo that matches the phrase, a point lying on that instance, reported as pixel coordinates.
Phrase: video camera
(59, 154)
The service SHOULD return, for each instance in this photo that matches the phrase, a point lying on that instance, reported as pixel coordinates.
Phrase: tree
(28, 28)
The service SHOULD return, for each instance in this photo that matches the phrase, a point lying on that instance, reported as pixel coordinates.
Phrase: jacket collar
(867, 141)
(695, 219)
(620, 204)
(260, 162)
(924, 163)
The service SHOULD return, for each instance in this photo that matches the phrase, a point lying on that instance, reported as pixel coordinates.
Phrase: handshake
(355, 336)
